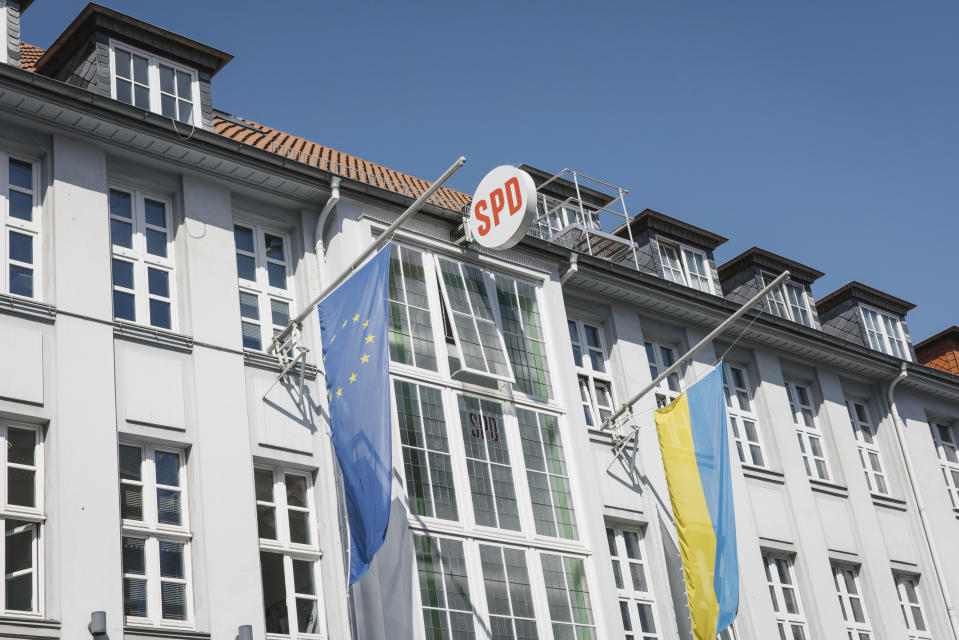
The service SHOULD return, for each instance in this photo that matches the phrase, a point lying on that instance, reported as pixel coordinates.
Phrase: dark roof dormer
(674, 250)
(868, 317)
(135, 62)
(745, 275)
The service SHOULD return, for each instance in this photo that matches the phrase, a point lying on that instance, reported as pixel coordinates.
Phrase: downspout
(920, 506)
(573, 268)
(318, 249)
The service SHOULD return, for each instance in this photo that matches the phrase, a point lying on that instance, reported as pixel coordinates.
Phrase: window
(266, 293)
(509, 596)
(142, 264)
(685, 265)
(289, 553)
(154, 84)
(660, 358)
(426, 453)
(742, 416)
(809, 436)
(21, 516)
(475, 327)
(948, 448)
(156, 536)
(850, 602)
(488, 463)
(411, 331)
(523, 333)
(884, 333)
(785, 596)
(911, 606)
(788, 301)
(568, 597)
(865, 432)
(19, 225)
(637, 605)
(595, 386)
(547, 474)
(444, 588)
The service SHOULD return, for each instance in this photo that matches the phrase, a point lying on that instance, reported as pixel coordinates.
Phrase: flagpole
(369, 251)
(725, 324)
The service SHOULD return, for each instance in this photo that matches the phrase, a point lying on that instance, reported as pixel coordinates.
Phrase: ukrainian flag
(692, 436)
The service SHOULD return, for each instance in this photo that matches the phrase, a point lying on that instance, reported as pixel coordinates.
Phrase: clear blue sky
(827, 132)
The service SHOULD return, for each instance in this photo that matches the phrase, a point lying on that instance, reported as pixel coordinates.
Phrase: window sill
(955, 511)
(828, 488)
(764, 474)
(28, 628)
(131, 632)
(888, 502)
(27, 308)
(152, 336)
(262, 360)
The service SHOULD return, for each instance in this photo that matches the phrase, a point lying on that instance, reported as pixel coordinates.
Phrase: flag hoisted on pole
(695, 450)
(353, 328)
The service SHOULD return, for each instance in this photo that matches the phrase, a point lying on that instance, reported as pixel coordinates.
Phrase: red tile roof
(307, 152)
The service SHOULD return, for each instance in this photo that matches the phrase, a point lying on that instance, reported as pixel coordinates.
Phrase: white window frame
(865, 429)
(664, 395)
(806, 434)
(631, 594)
(152, 532)
(858, 630)
(950, 469)
(10, 224)
(781, 304)
(880, 327)
(909, 619)
(684, 275)
(596, 407)
(784, 619)
(261, 287)
(291, 551)
(740, 415)
(33, 515)
(153, 71)
(142, 260)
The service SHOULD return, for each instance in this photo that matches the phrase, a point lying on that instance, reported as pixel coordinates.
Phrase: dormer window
(152, 83)
(884, 332)
(788, 301)
(685, 265)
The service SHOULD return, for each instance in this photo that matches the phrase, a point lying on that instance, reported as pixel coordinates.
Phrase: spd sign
(503, 208)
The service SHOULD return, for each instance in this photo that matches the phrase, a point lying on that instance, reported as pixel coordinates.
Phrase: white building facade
(152, 246)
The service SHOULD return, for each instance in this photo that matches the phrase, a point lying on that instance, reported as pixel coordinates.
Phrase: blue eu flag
(353, 320)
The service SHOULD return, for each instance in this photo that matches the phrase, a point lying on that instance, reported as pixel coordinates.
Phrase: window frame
(873, 476)
(784, 619)
(663, 394)
(10, 224)
(629, 594)
(594, 412)
(141, 259)
(888, 343)
(153, 532)
(35, 516)
(950, 469)
(153, 86)
(738, 416)
(402, 255)
(779, 304)
(899, 579)
(685, 273)
(806, 433)
(260, 287)
(839, 573)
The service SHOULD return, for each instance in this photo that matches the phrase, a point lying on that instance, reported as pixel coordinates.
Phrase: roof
(756, 256)
(951, 332)
(29, 55)
(866, 294)
(650, 219)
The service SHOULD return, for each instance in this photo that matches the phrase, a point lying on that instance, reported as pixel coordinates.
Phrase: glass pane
(21, 247)
(249, 306)
(295, 490)
(129, 462)
(299, 527)
(166, 79)
(141, 97)
(155, 213)
(159, 282)
(131, 502)
(156, 242)
(251, 336)
(303, 577)
(647, 623)
(20, 487)
(280, 312)
(121, 233)
(263, 482)
(124, 91)
(20, 446)
(168, 506)
(21, 281)
(160, 314)
(134, 560)
(171, 559)
(243, 238)
(245, 267)
(21, 205)
(266, 522)
(173, 600)
(122, 274)
(140, 65)
(167, 468)
(274, 593)
(185, 111)
(306, 615)
(134, 597)
(184, 85)
(122, 63)
(274, 247)
(277, 275)
(19, 558)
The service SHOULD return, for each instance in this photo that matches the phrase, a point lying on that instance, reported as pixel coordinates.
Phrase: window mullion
(152, 549)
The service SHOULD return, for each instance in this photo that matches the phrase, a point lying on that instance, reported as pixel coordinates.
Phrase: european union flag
(353, 321)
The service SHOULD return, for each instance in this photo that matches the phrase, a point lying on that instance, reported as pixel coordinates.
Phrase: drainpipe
(573, 268)
(318, 250)
(917, 497)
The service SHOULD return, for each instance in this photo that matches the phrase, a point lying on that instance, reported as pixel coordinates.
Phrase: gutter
(920, 506)
(319, 250)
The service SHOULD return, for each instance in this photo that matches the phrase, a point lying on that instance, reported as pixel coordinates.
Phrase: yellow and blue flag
(355, 356)
(695, 449)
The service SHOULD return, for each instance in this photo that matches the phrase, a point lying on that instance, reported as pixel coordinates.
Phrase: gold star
(365, 358)
(369, 337)
(339, 392)
(344, 323)
(352, 378)
(324, 358)
(356, 318)
(366, 324)
(333, 338)
(329, 396)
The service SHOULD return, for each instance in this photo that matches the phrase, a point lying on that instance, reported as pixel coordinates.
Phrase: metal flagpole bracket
(290, 353)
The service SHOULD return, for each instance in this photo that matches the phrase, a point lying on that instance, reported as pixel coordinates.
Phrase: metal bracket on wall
(290, 353)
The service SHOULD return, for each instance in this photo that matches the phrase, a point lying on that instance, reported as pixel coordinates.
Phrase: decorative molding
(761, 473)
(152, 336)
(28, 628)
(27, 308)
(888, 502)
(143, 633)
(261, 360)
(828, 488)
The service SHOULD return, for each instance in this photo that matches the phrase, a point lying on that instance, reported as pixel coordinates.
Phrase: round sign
(503, 208)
